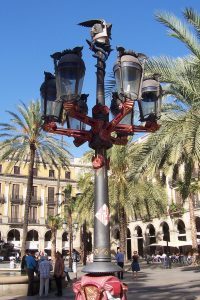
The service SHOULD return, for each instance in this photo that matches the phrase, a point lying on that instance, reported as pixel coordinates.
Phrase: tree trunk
(53, 243)
(28, 198)
(54, 231)
(122, 229)
(70, 231)
(84, 238)
(193, 224)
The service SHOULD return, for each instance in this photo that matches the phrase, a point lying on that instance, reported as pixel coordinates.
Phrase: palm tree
(25, 141)
(178, 140)
(85, 207)
(54, 223)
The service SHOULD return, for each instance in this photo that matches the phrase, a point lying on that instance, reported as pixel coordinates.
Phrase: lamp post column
(102, 255)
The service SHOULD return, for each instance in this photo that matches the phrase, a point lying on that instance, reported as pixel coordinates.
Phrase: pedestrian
(58, 273)
(44, 270)
(17, 257)
(23, 263)
(120, 263)
(135, 264)
(74, 262)
(31, 268)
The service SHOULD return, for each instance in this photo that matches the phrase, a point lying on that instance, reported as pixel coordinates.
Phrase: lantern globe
(128, 73)
(69, 77)
(150, 104)
(51, 107)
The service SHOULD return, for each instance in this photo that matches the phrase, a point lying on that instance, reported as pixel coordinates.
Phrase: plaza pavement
(154, 282)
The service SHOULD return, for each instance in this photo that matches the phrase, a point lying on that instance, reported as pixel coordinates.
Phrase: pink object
(99, 288)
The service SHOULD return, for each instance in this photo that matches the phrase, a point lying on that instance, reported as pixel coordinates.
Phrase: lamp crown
(77, 50)
(100, 30)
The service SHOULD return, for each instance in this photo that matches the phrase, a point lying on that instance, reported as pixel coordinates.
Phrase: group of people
(135, 266)
(42, 266)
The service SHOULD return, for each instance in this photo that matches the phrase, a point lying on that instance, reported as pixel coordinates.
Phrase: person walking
(23, 263)
(58, 273)
(120, 263)
(44, 270)
(135, 264)
(31, 267)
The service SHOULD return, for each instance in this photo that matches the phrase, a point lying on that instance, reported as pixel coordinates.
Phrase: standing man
(31, 267)
(58, 273)
(120, 262)
(44, 270)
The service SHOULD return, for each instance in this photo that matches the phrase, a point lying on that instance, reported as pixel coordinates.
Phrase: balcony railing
(17, 199)
(15, 220)
(33, 221)
(36, 201)
(50, 202)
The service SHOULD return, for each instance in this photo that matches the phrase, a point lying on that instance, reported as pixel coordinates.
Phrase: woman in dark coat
(135, 264)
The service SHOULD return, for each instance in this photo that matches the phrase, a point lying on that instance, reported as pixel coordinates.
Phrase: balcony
(17, 199)
(33, 221)
(2, 199)
(36, 201)
(50, 202)
(15, 220)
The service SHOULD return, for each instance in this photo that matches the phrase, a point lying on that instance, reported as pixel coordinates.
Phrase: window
(34, 195)
(14, 212)
(15, 191)
(0, 168)
(50, 211)
(50, 195)
(178, 197)
(16, 170)
(67, 175)
(32, 213)
(51, 173)
(35, 172)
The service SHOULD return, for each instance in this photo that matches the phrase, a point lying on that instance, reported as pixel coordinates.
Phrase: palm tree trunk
(28, 198)
(53, 243)
(122, 229)
(84, 238)
(70, 232)
(193, 224)
(54, 231)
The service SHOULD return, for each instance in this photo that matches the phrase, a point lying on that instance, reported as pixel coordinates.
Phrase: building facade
(13, 187)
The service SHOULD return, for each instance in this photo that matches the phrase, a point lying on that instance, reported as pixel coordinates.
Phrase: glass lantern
(50, 106)
(128, 72)
(150, 104)
(69, 76)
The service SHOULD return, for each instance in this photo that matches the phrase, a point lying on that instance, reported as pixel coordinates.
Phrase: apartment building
(13, 187)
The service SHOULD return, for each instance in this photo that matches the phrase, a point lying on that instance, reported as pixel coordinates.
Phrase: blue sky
(31, 30)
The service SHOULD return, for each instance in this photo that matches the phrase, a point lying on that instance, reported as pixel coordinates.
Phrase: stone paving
(153, 283)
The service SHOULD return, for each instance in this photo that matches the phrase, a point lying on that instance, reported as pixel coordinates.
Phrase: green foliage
(54, 222)
(24, 131)
(176, 209)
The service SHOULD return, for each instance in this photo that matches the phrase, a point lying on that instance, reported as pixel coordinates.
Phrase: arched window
(166, 233)
(32, 235)
(181, 230)
(13, 235)
(47, 236)
(65, 236)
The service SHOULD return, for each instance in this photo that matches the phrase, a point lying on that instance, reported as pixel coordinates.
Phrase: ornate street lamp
(129, 72)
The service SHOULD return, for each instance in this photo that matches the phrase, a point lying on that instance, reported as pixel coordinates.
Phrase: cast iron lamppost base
(62, 101)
